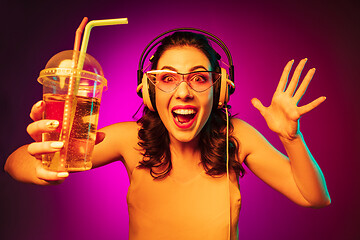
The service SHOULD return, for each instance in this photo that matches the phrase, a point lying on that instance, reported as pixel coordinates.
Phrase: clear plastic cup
(78, 121)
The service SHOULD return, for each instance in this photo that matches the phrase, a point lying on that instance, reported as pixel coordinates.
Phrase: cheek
(210, 99)
(208, 104)
(162, 100)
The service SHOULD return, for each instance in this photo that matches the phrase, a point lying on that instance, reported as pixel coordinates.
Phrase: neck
(185, 152)
(185, 158)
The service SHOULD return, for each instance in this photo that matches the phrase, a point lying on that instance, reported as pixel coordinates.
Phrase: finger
(37, 110)
(36, 128)
(310, 106)
(284, 77)
(50, 176)
(258, 105)
(304, 84)
(99, 137)
(37, 148)
(295, 78)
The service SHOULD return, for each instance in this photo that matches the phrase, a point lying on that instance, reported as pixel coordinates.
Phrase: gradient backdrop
(262, 37)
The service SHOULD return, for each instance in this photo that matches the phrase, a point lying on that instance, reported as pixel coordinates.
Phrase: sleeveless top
(196, 209)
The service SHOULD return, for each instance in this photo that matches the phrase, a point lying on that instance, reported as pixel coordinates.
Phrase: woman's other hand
(283, 114)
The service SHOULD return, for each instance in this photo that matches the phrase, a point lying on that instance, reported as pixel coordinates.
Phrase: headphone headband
(210, 36)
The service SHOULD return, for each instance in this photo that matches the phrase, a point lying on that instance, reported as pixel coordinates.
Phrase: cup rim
(71, 72)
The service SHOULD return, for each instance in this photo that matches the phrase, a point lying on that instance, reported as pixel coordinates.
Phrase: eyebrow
(191, 69)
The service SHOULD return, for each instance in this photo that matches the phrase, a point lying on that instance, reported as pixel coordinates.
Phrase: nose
(183, 91)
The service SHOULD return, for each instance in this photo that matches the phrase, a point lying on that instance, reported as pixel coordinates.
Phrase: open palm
(283, 114)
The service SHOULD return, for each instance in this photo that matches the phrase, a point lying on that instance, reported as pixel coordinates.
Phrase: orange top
(168, 209)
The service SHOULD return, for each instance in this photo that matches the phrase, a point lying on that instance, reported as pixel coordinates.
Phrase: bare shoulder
(122, 135)
(242, 129)
(120, 144)
(127, 129)
(248, 137)
(239, 124)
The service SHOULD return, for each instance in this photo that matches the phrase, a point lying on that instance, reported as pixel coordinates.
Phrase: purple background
(261, 35)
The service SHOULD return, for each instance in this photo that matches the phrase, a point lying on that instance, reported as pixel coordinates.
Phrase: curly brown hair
(154, 138)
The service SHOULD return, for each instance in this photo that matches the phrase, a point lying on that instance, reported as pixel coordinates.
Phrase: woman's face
(184, 111)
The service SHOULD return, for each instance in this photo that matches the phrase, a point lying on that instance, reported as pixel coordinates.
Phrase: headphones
(227, 86)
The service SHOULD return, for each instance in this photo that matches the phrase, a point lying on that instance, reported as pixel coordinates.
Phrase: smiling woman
(183, 156)
(188, 52)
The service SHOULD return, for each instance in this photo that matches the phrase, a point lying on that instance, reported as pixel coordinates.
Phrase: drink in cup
(72, 96)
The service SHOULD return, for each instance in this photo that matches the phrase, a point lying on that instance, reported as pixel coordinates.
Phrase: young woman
(176, 154)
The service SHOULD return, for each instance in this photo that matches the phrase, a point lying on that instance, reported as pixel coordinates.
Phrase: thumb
(258, 105)
(99, 137)
(47, 177)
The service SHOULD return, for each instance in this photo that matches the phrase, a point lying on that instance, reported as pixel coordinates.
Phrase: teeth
(184, 111)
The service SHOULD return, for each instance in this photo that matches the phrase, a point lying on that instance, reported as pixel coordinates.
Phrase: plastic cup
(82, 115)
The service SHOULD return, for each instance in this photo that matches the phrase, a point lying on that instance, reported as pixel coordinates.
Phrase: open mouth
(184, 116)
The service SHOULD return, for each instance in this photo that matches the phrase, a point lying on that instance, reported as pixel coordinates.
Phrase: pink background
(261, 35)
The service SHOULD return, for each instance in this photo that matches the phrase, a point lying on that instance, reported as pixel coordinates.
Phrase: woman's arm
(297, 176)
(280, 172)
(24, 167)
(120, 143)
(113, 143)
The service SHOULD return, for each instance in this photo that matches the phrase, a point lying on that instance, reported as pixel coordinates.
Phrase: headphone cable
(227, 167)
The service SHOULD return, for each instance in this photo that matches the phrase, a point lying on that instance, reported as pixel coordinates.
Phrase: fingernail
(39, 104)
(62, 174)
(57, 144)
(52, 124)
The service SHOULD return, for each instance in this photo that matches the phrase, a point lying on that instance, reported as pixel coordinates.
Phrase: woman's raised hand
(282, 116)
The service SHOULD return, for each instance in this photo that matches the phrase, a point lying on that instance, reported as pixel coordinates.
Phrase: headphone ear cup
(224, 92)
(145, 93)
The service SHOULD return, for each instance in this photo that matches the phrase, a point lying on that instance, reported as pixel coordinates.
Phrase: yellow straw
(88, 28)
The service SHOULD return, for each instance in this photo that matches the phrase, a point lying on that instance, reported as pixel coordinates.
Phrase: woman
(175, 155)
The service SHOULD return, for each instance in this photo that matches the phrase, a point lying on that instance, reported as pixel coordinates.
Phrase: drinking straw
(78, 34)
(71, 100)
(89, 26)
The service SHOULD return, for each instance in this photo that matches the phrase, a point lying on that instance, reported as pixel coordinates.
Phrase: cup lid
(65, 64)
